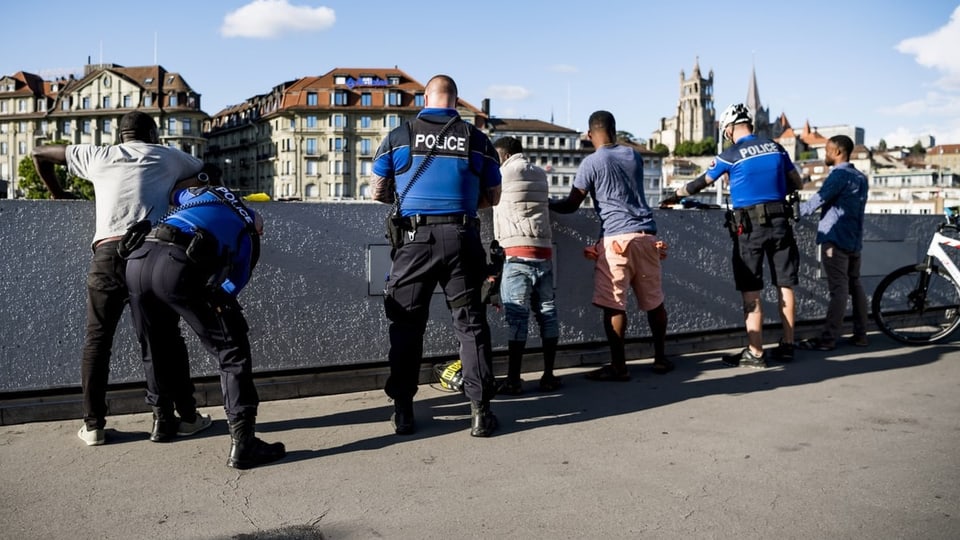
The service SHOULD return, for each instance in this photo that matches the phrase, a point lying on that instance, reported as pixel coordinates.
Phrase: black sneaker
(744, 358)
(784, 352)
(402, 418)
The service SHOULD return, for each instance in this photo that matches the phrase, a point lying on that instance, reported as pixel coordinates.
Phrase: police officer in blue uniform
(437, 170)
(761, 175)
(193, 265)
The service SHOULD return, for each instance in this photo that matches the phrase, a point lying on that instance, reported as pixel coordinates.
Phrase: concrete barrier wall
(315, 300)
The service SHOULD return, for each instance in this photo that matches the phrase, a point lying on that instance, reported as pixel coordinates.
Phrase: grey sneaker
(94, 437)
(202, 422)
(746, 359)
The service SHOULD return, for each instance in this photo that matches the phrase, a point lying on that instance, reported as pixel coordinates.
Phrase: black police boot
(165, 425)
(247, 451)
(484, 423)
(402, 418)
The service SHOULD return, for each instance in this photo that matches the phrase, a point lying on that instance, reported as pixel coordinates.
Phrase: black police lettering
(449, 143)
(757, 149)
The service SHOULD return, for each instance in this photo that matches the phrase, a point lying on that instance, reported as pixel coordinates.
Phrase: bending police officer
(438, 170)
(193, 265)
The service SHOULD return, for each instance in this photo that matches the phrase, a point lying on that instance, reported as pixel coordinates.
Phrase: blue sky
(890, 67)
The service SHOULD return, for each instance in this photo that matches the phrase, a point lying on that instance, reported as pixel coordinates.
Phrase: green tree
(882, 145)
(661, 149)
(34, 188)
(917, 150)
(626, 136)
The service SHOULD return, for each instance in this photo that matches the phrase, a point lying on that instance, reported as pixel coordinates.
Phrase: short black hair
(604, 121)
(139, 126)
(444, 83)
(214, 173)
(844, 143)
(512, 145)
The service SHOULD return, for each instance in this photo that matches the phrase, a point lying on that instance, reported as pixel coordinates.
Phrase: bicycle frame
(936, 251)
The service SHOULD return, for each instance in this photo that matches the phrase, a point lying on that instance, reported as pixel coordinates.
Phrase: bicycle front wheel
(915, 306)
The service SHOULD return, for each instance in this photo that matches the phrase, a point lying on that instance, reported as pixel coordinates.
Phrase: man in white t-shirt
(132, 182)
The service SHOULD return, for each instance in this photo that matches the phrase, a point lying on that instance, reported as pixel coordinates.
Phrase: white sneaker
(92, 438)
(202, 422)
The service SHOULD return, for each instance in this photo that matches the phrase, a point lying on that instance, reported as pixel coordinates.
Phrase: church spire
(696, 67)
(753, 95)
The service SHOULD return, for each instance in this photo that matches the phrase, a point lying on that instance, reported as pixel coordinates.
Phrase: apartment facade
(555, 149)
(314, 138)
(87, 110)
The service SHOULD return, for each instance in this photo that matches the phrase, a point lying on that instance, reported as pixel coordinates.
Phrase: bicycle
(920, 303)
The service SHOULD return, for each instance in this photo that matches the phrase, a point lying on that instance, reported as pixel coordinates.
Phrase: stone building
(88, 109)
(695, 118)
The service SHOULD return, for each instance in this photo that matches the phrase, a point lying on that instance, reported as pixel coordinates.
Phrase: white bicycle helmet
(738, 113)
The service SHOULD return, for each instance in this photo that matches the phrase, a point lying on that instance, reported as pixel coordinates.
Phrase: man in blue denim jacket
(842, 199)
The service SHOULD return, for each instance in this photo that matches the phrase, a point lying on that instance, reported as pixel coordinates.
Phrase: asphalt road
(855, 443)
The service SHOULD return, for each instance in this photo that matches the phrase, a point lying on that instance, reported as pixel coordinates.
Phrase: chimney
(485, 106)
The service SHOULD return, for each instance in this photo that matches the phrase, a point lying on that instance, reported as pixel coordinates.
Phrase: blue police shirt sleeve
(383, 162)
(718, 168)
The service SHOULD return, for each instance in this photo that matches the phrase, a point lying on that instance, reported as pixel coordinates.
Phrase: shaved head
(441, 91)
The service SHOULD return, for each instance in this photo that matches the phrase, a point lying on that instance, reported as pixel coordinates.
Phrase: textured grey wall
(310, 303)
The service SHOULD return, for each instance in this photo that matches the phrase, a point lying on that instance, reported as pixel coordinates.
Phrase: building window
(126, 102)
(340, 79)
(21, 105)
(293, 123)
(563, 142)
(418, 100)
(365, 167)
(311, 121)
(550, 142)
(171, 126)
(540, 142)
(311, 98)
(391, 121)
(311, 169)
(187, 125)
(339, 97)
(3, 148)
(393, 80)
(173, 100)
(86, 127)
(41, 105)
(85, 103)
(365, 147)
(338, 120)
(336, 190)
(366, 99)
(106, 126)
(365, 122)
(43, 127)
(338, 144)
(22, 147)
(66, 127)
(394, 99)
(3, 105)
(311, 146)
(22, 127)
(148, 100)
(106, 102)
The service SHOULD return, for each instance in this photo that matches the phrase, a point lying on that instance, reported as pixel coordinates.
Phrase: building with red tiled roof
(88, 110)
(944, 156)
(314, 138)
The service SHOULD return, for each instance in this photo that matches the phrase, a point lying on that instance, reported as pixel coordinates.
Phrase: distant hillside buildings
(314, 138)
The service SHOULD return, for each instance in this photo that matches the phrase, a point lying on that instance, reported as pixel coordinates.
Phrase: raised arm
(571, 203)
(45, 158)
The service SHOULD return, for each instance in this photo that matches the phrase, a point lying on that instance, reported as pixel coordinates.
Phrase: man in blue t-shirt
(627, 253)
(843, 199)
(437, 170)
(760, 175)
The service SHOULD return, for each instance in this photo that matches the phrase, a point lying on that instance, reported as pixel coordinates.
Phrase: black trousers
(166, 286)
(453, 256)
(106, 296)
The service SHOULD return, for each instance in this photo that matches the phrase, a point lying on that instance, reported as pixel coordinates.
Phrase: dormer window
(340, 79)
(393, 79)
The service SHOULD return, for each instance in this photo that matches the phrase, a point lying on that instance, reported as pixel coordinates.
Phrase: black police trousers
(453, 256)
(164, 286)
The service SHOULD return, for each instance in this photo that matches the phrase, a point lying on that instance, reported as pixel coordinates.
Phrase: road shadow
(580, 400)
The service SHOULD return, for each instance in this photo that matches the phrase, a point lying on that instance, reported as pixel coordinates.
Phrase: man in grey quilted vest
(521, 224)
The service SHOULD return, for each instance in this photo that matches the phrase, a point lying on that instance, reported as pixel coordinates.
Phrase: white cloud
(563, 68)
(508, 92)
(271, 18)
(938, 50)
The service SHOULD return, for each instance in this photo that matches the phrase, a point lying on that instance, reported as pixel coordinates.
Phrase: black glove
(671, 200)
